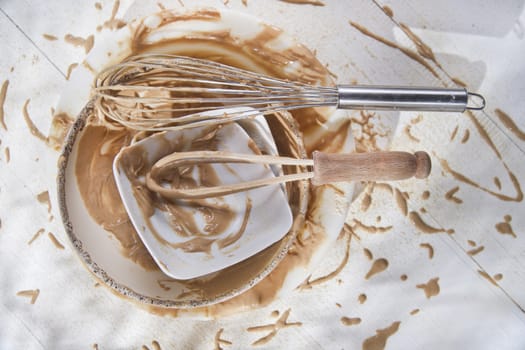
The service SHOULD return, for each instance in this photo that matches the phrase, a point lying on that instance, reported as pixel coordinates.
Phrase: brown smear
(155, 345)
(350, 321)
(430, 249)
(378, 341)
(458, 81)
(401, 201)
(414, 312)
(498, 277)
(113, 22)
(43, 198)
(70, 69)
(497, 182)
(86, 43)
(431, 288)
(309, 284)
(460, 177)
(486, 276)
(407, 52)
(36, 235)
(378, 266)
(3, 93)
(388, 11)
(98, 6)
(450, 195)
(368, 253)
(425, 195)
(281, 323)
(60, 125)
(358, 225)
(403, 277)
(408, 132)
(218, 341)
(504, 227)
(55, 241)
(466, 136)
(367, 196)
(454, 133)
(475, 251)
(507, 121)
(32, 127)
(49, 37)
(7, 153)
(30, 293)
(471, 243)
(361, 298)
(423, 226)
(422, 49)
(367, 140)
(305, 2)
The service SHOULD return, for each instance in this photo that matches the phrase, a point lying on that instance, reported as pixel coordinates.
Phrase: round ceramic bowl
(318, 213)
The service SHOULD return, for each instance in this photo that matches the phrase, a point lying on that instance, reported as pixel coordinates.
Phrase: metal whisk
(160, 92)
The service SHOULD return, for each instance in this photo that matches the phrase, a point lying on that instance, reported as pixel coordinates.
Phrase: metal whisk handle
(408, 98)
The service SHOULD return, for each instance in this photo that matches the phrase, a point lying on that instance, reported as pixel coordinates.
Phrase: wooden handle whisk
(327, 168)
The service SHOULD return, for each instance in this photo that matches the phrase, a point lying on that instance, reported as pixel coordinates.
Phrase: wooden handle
(373, 166)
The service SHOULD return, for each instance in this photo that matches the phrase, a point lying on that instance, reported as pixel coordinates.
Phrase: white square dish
(257, 218)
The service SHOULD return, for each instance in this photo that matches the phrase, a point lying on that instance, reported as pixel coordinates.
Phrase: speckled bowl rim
(123, 290)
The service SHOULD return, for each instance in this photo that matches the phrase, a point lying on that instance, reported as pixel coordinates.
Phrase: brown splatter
(497, 182)
(98, 6)
(431, 288)
(338, 305)
(350, 321)
(219, 341)
(430, 249)
(460, 177)
(32, 127)
(450, 195)
(358, 225)
(487, 277)
(422, 49)
(498, 277)
(307, 284)
(403, 277)
(305, 2)
(113, 22)
(368, 253)
(155, 345)
(361, 298)
(423, 210)
(378, 341)
(55, 241)
(70, 69)
(475, 251)
(275, 313)
(388, 11)
(95, 346)
(423, 226)
(413, 312)
(36, 235)
(504, 227)
(466, 136)
(3, 93)
(454, 133)
(366, 137)
(273, 328)
(507, 121)
(49, 37)
(425, 195)
(378, 218)
(7, 153)
(471, 243)
(163, 285)
(458, 81)
(86, 43)
(367, 196)
(97, 284)
(407, 52)
(401, 201)
(378, 266)
(43, 198)
(30, 293)
(408, 132)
